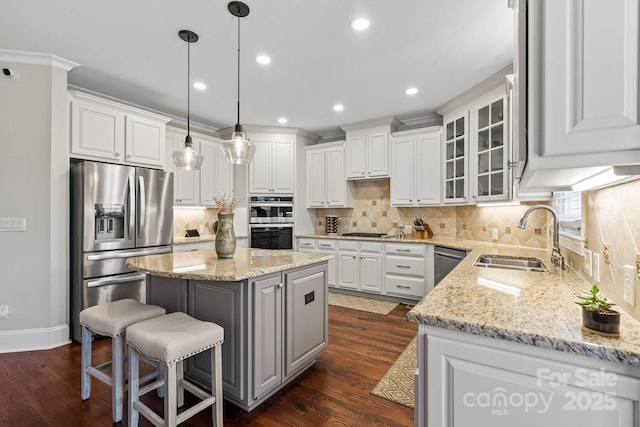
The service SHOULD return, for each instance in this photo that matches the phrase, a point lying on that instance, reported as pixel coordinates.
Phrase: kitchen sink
(510, 262)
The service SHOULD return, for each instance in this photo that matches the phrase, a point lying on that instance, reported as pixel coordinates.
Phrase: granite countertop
(202, 238)
(205, 265)
(525, 307)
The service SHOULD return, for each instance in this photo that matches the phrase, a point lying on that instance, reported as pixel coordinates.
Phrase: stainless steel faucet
(556, 258)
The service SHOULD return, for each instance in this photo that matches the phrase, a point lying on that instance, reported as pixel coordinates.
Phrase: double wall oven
(271, 222)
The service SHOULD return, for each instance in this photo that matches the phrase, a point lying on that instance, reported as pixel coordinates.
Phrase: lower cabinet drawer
(405, 286)
(412, 266)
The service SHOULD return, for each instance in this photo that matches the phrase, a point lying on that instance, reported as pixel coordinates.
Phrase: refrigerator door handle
(142, 215)
(114, 280)
(128, 254)
(132, 220)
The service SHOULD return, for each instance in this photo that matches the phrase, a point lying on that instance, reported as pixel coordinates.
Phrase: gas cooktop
(359, 234)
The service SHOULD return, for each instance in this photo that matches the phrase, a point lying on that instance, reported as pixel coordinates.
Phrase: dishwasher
(446, 260)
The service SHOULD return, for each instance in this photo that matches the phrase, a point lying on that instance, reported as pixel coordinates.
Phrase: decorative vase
(225, 236)
(602, 322)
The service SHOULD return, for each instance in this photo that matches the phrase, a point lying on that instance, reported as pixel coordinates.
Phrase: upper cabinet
(456, 157)
(415, 167)
(272, 170)
(108, 131)
(327, 186)
(367, 148)
(582, 89)
(490, 148)
(197, 188)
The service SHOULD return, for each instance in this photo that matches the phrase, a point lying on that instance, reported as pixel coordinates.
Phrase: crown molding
(381, 121)
(493, 82)
(34, 58)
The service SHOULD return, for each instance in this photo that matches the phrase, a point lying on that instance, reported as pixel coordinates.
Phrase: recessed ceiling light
(263, 59)
(411, 91)
(338, 107)
(282, 120)
(199, 86)
(360, 24)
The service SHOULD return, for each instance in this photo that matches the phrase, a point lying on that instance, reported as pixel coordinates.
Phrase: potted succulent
(597, 315)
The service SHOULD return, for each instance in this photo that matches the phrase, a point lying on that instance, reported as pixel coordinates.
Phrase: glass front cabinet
(489, 141)
(456, 158)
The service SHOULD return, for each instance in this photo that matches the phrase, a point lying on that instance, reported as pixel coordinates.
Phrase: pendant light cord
(189, 92)
(238, 122)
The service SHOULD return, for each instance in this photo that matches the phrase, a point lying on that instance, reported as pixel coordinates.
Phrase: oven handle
(271, 205)
(279, 225)
(115, 280)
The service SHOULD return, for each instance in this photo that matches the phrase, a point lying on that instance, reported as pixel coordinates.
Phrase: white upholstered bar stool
(111, 319)
(169, 340)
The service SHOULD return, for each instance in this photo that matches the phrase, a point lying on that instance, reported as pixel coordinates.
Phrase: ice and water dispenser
(110, 221)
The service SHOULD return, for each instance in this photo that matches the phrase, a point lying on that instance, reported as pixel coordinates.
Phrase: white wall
(34, 185)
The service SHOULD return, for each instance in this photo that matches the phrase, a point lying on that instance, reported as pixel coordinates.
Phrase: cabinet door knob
(128, 156)
(410, 200)
(117, 154)
(280, 285)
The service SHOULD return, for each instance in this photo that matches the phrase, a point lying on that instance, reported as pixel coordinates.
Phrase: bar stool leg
(117, 393)
(216, 384)
(180, 369)
(171, 398)
(86, 363)
(134, 386)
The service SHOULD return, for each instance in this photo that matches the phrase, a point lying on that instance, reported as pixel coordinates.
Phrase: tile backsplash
(372, 212)
(612, 215)
(200, 219)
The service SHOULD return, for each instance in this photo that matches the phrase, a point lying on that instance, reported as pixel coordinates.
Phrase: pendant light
(188, 158)
(238, 150)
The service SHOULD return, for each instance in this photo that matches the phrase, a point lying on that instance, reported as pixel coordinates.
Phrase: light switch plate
(630, 284)
(595, 267)
(587, 262)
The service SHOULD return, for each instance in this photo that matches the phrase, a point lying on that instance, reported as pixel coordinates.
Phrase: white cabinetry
(194, 246)
(474, 380)
(326, 182)
(272, 168)
(368, 148)
(408, 269)
(105, 130)
(456, 157)
(489, 170)
(216, 173)
(322, 246)
(360, 265)
(196, 188)
(583, 95)
(415, 167)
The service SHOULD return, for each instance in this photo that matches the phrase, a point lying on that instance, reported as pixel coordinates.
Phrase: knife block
(427, 233)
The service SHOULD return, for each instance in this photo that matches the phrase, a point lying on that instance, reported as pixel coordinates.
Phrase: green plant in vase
(597, 315)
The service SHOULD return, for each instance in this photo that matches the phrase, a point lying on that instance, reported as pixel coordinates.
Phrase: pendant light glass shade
(187, 158)
(238, 150)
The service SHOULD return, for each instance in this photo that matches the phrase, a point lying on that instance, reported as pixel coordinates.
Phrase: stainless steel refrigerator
(117, 212)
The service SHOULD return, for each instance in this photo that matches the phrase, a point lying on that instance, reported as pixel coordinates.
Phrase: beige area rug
(398, 384)
(361, 303)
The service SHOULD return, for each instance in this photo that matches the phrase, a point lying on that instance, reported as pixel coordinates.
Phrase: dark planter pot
(602, 321)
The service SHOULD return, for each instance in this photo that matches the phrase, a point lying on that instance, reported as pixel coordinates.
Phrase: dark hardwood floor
(42, 388)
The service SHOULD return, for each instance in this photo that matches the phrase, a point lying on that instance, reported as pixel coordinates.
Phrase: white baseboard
(34, 339)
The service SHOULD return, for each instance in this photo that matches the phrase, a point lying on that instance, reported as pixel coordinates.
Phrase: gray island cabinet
(271, 304)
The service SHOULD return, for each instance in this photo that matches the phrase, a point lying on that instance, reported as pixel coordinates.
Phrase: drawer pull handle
(403, 287)
(325, 245)
(403, 250)
(403, 266)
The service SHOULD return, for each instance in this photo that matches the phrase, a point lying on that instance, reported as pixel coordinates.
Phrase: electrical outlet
(4, 311)
(630, 284)
(587, 262)
(606, 254)
(595, 267)
(494, 233)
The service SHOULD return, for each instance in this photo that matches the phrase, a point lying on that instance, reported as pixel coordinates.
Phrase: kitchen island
(504, 347)
(271, 304)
